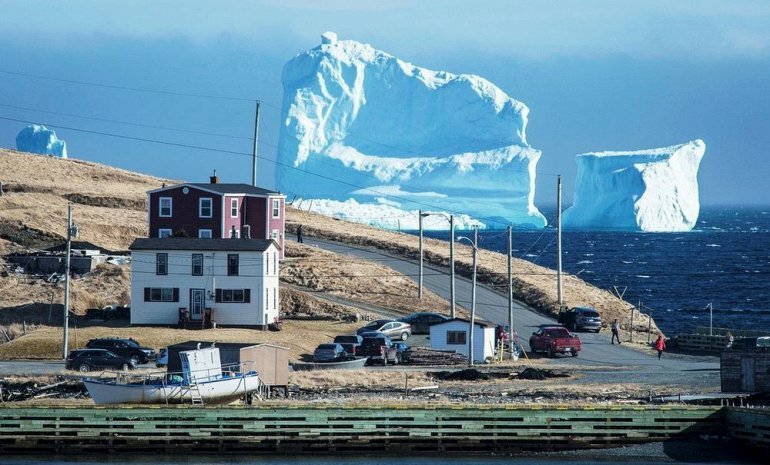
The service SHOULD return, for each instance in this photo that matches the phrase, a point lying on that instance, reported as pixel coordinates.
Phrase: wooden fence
(750, 425)
(701, 342)
(297, 430)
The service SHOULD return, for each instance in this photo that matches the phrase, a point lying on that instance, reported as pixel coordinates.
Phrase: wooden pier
(394, 429)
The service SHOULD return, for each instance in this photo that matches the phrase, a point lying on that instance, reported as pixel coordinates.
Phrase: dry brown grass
(360, 280)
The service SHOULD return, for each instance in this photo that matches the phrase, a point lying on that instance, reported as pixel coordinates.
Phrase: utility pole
(71, 231)
(452, 301)
(419, 289)
(558, 242)
(256, 141)
(711, 319)
(473, 244)
(510, 292)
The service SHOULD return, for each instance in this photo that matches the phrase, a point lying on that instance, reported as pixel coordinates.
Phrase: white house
(453, 335)
(235, 281)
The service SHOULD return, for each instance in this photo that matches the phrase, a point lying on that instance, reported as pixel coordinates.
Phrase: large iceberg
(40, 139)
(647, 190)
(360, 124)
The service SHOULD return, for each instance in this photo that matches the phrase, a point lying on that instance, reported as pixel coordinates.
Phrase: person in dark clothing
(299, 234)
(615, 331)
(660, 345)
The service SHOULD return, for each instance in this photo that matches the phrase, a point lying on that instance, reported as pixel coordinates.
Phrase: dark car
(378, 347)
(86, 360)
(585, 318)
(125, 347)
(422, 321)
(330, 353)
(392, 328)
(350, 343)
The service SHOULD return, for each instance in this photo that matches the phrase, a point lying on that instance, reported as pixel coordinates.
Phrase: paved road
(492, 306)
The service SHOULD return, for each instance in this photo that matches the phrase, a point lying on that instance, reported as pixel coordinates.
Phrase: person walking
(299, 234)
(615, 331)
(660, 345)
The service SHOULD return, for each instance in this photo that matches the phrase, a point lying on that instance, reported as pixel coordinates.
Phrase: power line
(165, 128)
(128, 88)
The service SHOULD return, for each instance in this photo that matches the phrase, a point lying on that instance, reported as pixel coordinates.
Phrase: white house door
(196, 303)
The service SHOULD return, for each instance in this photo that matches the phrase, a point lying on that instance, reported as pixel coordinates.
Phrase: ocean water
(724, 261)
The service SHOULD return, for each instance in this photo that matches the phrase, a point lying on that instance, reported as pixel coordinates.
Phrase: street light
(451, 220)
(473, 244)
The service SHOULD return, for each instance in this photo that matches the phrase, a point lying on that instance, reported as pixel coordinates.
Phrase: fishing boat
(203, 380)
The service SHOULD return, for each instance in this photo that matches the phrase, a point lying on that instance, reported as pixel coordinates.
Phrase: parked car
(751, 344)
(581, 318)
(403, 351)
(162, 359)
(392, 328)
(86, 360)
(555, 340)
(378, 347)
(350, 342)
(422, 321)
(125, 347)
(330, 353)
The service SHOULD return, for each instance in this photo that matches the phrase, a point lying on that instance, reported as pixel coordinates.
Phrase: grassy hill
(109, 208)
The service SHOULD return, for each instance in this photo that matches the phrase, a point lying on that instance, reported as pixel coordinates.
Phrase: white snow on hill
(647, 190)
(39, 139)
(359, 124)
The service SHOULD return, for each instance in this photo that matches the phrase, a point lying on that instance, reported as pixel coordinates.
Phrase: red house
(217, 210)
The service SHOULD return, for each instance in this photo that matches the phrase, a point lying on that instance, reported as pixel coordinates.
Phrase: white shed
(453, 335)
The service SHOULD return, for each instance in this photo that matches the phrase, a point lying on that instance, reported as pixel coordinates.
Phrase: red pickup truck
(554, 340)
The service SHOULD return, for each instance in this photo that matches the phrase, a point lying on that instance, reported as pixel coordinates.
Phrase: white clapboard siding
(252, 275)
(483, 339)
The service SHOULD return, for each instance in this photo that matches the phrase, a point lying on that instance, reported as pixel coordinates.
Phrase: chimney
(214, 179)
(246, 230)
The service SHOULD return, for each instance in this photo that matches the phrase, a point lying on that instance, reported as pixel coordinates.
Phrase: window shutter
(175, 297)
(247, 296)
(218, 297)
(146, 294)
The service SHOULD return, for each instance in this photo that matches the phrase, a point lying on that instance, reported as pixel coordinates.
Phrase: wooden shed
(270, 361)
(744, 371)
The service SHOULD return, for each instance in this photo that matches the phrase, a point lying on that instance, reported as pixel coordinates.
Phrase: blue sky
(597, 75)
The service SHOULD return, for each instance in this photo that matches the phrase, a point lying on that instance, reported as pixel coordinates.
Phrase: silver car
(392, 328)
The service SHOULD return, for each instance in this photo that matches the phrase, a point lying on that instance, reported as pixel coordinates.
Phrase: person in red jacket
(660, 344)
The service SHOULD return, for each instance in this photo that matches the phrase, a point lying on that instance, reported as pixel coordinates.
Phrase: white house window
(197, 264)
(161, 263)
(232, 264)
(165, 207)
(204, 207)
(275, 263)
(455, 338)
(233, 208)
(233, 295)
(161, 294)
(204, 233)
(275, 298)
(164, 233)
(276, 208)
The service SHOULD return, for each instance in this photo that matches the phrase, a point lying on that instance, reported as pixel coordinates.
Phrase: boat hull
(215, 391)
(355, 364)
